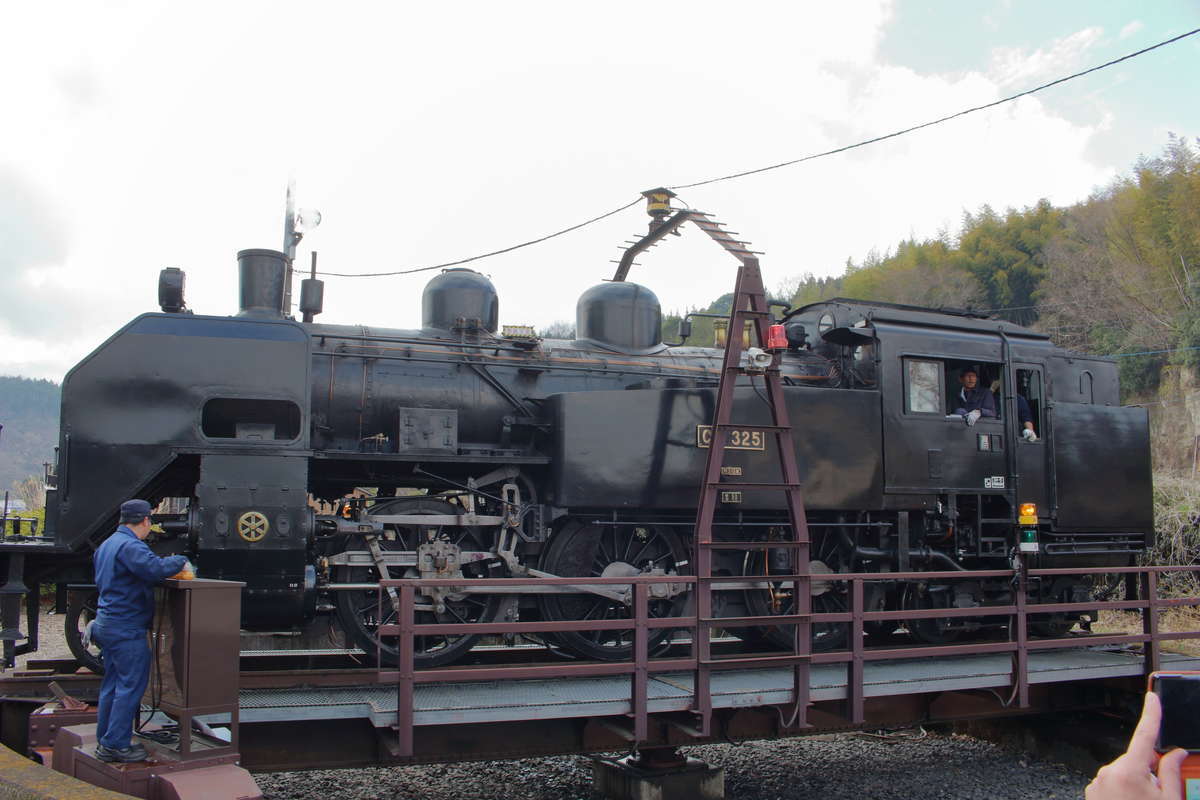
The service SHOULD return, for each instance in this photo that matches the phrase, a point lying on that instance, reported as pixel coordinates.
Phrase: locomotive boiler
(308, 460)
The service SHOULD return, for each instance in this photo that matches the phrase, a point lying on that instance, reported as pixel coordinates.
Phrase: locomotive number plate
(739, 439)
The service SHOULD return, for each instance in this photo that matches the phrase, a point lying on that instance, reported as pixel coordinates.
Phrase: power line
(1068, 303)
(940, 120)
(1163, 403)
(540, 239)
(743, 174)
(1152, 352)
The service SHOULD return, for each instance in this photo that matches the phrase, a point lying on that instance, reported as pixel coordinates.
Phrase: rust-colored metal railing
(638, 668)
(641, 665)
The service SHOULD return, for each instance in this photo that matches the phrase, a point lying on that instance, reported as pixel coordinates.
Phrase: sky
(138, 136)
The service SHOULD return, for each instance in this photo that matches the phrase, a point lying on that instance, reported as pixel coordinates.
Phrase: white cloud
(1015, 66)
(1130, 29)
(426, 133)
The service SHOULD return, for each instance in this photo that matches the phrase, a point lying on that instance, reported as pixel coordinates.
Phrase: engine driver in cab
(973, 401)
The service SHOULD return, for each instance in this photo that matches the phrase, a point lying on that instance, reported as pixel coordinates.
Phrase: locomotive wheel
(1053, 626)
(610, 551)
(827, 596)
(359, 612)
(931, 630)
(81, 609)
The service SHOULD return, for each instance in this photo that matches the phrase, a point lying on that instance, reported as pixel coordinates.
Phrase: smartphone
(1180, 696)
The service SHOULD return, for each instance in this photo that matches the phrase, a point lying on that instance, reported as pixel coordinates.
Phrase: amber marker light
(1027, 514)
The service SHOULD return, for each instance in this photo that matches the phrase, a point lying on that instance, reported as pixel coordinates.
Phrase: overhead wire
(1067, 303)
(1151, 352)
(501, 251)
(780, 165)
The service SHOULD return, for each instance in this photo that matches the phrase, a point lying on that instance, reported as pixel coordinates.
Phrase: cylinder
(262, 280)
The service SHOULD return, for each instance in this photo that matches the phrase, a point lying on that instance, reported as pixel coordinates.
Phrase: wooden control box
(195, 664)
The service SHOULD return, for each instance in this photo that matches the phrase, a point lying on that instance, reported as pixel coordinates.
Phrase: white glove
(1029, 435)
(86, 637)
(973, 416)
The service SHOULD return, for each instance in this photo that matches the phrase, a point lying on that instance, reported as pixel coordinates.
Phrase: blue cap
(135, 510)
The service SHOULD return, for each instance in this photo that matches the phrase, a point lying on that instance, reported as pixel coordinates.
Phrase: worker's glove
(973, 416)
(1029, 435)
(87, 634)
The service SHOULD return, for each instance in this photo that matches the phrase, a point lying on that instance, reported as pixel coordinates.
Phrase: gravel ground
(51, 642)
(829, 767)
(837, 767)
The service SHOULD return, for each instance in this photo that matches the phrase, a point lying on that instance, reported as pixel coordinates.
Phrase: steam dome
(460, 297)
(621, 316)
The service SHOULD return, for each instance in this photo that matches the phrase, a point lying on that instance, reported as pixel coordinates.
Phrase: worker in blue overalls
(126, 572)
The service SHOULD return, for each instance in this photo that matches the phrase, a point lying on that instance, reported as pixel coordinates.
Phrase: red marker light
(776, 338)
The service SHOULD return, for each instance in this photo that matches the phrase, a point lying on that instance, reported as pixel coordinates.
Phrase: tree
(1006, 256)
(1122, 275)
(920, 273)
(808, 288)
(560, 329)
(31, 491)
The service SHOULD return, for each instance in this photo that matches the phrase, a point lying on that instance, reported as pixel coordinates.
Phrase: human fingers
(1100, 786)
(1170, 780)
(1141, 744)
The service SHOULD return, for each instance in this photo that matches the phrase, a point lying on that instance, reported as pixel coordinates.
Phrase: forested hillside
(29, 414)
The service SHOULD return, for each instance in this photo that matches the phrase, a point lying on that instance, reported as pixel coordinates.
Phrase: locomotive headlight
(307, 219)
(658, 201)
(1027, 514)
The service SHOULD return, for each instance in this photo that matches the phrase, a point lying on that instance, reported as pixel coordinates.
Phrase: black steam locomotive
(478, 452)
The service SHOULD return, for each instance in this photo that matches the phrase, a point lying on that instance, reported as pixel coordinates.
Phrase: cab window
(1029, 387)
(988, 379)
(862, 366)
(923, 390)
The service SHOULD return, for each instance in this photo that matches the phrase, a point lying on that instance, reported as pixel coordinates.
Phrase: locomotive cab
(976, 475)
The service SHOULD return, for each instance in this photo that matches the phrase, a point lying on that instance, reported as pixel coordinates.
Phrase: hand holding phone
(1133, 776)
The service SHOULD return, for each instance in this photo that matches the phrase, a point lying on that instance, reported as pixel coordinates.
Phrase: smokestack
(263, 280)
